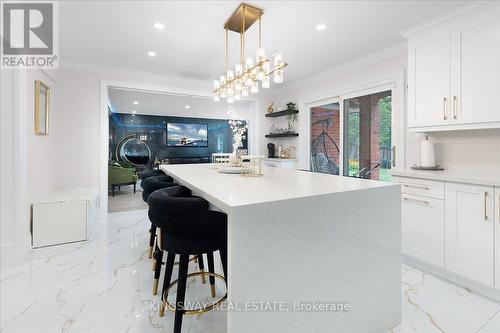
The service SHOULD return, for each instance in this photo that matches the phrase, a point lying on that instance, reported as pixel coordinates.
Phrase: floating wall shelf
(284, 135)
(280, 113)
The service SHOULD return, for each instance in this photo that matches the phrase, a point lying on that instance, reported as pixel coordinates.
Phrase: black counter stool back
(187, 228)
(149, 173)
(149, 185)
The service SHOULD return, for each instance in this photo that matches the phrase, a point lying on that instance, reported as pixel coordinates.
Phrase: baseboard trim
(468, 284)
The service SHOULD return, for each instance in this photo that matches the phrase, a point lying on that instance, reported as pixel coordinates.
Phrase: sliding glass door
(353, 135)
(368, 136)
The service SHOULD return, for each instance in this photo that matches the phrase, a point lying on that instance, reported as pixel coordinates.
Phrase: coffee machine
(271, 150)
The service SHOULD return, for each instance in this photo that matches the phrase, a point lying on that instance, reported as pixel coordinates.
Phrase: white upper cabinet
(476, 69)
(469, 231)
(454, 73)
(429, 79)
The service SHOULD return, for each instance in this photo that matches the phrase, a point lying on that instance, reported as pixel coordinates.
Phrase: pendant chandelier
(245, 76)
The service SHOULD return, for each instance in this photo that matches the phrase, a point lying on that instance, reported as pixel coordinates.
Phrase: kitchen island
(297, 240)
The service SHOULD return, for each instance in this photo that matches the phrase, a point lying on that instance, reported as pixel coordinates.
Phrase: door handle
(454, 107)
(393, 156)
(485, 206)
(445, 100)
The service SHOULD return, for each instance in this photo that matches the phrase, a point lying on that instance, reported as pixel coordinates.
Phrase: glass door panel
(368, 136)
(325, 138)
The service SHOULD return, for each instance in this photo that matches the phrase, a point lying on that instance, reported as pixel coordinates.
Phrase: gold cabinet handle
(485, 206)
(416, 186)
(424, 202)
(454, 107)
(445, 100)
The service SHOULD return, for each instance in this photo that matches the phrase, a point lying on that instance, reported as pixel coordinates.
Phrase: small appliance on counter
(271, 150)
(280, 150)
(427, 157)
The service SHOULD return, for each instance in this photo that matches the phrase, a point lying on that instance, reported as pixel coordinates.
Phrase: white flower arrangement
(239, 129)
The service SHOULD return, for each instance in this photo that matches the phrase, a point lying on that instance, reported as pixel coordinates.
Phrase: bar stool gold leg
(154, 264)
(150, 252)
(155, 287)
(203, 279)
(212, 288)
(162, 308)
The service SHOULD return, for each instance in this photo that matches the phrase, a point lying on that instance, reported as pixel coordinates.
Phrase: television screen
(187, 135)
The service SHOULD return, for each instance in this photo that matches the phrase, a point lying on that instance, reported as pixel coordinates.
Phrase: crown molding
(94, 68)
(368, 59)
(448, 16)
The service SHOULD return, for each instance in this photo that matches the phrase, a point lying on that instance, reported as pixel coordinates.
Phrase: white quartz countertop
(476, 178)
(232, 190)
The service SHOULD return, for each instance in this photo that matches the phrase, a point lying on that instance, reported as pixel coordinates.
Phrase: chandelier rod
(242, 37)
(226, 42)
(260, 33)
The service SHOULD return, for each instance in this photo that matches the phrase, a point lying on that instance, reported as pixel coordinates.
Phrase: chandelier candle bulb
(244, 92)
(238, 69)
(255, 87)
(266, 82)
(261, 54)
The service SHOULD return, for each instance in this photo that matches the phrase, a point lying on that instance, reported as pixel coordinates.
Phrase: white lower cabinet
(423, 228)
(454, 226)
(497, 237)
(469, 231)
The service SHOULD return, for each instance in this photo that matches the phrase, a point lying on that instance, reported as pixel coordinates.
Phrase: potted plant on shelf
(291, 115)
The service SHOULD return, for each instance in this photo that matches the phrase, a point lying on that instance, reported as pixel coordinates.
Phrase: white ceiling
(159, 103)
(118, 34)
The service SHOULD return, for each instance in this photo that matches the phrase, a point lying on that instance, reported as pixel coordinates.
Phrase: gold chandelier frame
(243, 17)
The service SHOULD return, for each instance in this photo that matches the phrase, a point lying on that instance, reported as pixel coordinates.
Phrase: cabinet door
(469, 233)
(476, 69)
(423, 228)
(429, 80)
(497, 238)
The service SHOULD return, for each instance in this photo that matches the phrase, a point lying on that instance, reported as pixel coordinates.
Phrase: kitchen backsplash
(461, 151)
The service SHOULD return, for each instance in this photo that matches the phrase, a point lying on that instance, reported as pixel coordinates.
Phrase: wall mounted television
(187, 135)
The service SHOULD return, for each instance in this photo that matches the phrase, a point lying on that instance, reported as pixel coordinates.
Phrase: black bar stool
(187, 228)
(149, 185)
(149, 173)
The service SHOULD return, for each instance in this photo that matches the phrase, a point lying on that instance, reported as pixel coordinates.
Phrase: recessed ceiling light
(135, 102)
(159, 26)
(187, 107)
(152, 53)
(320, 27)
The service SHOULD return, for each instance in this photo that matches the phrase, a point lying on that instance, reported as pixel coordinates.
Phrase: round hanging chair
(134, 151)
(321, 147)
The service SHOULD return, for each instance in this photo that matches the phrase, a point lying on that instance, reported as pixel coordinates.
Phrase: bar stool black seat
(149, 185)
(187, 227)
(149, 173)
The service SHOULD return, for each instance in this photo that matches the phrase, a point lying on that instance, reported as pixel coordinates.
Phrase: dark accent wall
(153, 131)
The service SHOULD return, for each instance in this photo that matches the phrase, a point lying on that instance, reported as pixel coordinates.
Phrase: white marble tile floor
(104, 285)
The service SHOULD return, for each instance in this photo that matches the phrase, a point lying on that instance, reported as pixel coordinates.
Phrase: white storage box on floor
(63, 216)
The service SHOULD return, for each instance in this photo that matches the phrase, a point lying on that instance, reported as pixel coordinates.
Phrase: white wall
(14, 208)
(40, 147)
